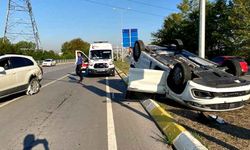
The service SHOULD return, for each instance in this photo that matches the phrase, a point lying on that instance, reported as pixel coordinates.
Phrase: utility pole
(202, 4)
(20, 23)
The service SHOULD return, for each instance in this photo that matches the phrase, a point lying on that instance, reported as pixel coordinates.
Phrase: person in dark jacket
(79, 66)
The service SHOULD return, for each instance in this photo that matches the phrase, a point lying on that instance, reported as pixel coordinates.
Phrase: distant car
(231, 62)
(186, 78)
(19, 73)
(49, 62)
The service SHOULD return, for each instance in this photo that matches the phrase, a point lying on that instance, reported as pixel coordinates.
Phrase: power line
(123, 8)
(151, 5)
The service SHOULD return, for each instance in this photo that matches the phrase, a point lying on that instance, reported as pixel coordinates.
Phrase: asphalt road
(66, 115)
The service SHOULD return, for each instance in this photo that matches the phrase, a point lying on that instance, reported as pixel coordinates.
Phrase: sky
(94, 20)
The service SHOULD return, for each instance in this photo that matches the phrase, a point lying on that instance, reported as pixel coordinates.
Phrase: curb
(122, 75)
(176, 134)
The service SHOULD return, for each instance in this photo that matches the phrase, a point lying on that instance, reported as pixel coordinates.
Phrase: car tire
(33, 87)
(178, 77)
(178, 43)
(138, 47)
(233, 66)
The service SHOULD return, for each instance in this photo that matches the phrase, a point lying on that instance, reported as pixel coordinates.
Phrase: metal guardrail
(59, 61)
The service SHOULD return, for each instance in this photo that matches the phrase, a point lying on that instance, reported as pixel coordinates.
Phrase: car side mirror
(2, 70)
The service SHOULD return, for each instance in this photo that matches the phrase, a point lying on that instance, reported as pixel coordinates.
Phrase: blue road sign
(125, 38)
(129, 37)
(134, 36)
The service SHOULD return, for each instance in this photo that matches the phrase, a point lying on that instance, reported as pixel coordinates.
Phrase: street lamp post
(202, 4)
(121, 12)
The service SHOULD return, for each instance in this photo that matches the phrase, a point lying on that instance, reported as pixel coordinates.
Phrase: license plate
(101, 70)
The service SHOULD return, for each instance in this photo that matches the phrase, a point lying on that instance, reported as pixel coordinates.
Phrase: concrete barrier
(176, 134)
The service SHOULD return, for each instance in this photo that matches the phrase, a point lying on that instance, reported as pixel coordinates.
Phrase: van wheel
(233, 66)
(34, 87)
(138, 47)
(178, 77)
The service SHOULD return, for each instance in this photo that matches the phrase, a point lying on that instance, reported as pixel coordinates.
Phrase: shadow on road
(116, 84)
(11, 97)
(115, 97)
(95, 90)
(30, 142)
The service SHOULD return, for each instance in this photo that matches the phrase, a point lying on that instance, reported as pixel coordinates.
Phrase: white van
(101, 59)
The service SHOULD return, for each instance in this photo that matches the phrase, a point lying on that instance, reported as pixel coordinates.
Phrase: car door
(7, 78)
(22, 66)
(85, 58)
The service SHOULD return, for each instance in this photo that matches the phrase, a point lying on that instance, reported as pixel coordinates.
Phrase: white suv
(19, 73)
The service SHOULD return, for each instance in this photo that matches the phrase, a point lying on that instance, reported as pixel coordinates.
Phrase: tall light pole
(122, 12)
(202, 31)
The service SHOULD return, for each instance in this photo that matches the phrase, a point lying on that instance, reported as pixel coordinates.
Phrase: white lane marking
(112, 145)
(54, 81)
(11, 101)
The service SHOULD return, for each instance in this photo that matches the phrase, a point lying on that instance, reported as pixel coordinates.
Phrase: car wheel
(138, 47)
(34, 87)
(178, 43)
(178, 77)
(233, 66)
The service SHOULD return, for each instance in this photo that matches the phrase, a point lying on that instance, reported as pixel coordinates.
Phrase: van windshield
(100, 54)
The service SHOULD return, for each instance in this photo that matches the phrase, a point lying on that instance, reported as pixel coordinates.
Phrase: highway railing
(58, 61)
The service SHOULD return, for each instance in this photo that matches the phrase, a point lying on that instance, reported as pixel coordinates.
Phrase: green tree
(69, 47)
(240, 24)
(6, 47)
(183, 25)
(25, 48)
(227, 27)
(24, 45)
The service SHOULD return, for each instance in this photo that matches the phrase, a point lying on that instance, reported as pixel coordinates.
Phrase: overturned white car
(186, 78)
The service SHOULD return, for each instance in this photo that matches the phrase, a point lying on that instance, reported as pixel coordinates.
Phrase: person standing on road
(79, 66)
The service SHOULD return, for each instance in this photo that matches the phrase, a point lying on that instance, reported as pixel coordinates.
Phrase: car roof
(100, 46)
(15, 55)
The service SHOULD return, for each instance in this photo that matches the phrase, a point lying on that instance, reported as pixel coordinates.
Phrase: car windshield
(100, 54)
(48, 60)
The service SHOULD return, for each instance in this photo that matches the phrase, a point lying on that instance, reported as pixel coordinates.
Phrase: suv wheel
(138, 47)
(233, 66)
(178, 77)
(34, 87)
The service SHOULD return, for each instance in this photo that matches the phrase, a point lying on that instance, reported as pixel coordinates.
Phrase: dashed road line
(54, 81)
(112, 144)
